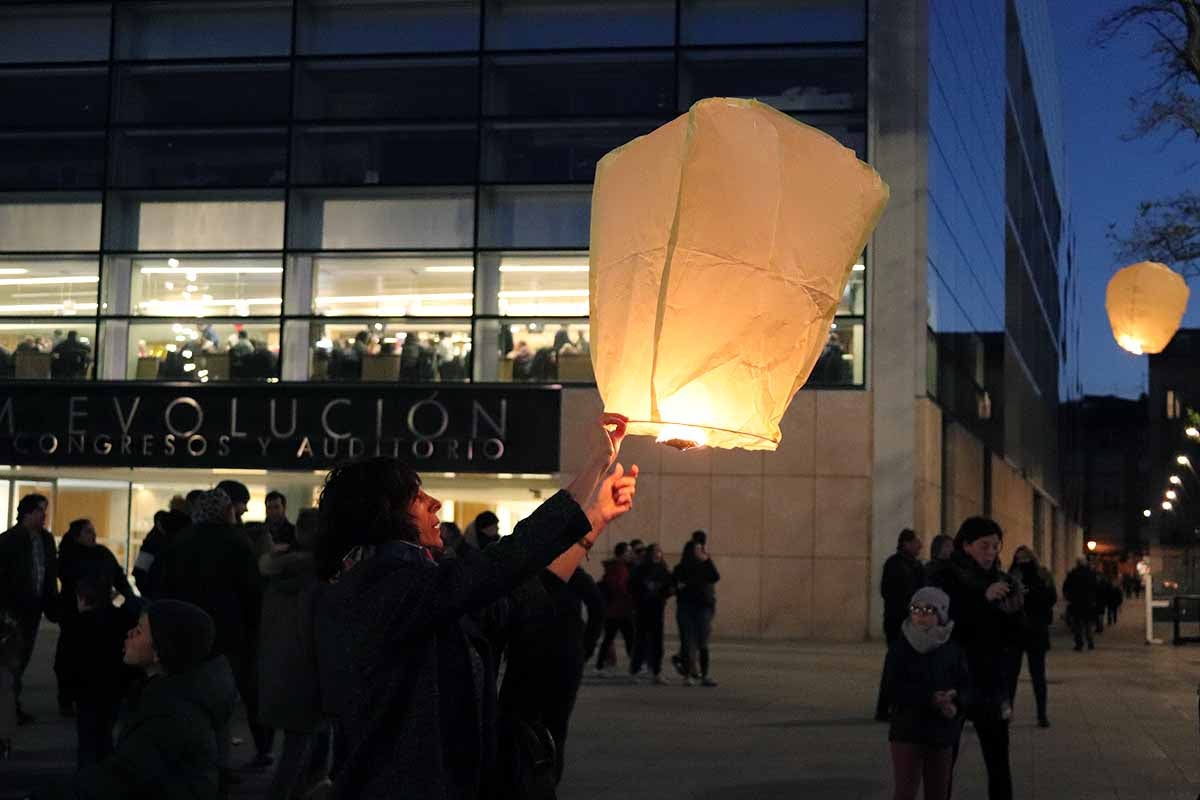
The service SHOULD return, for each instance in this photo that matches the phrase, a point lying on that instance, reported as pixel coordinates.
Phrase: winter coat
(1082, 590)
(910, 679)
(651, 584)
(156, 541)
(289, 697)
(408, 674)
(902, 576)
(614, 586)
(695, 583)
(213, 567)
(984, 630)
(16, 570)
(74, 562)
(167, 747)
(1040, 599)
(91, 658)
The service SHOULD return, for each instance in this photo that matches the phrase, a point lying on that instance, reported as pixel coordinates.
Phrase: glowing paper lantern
(721, 245)
(1145, 303)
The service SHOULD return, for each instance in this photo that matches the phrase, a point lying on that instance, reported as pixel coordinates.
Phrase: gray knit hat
(211, 507)
(935, 597)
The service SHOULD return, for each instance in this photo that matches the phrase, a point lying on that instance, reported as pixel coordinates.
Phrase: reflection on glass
(534, 284)
(369, 26)
(203, 93)
(53, 97)
(195, 220)
(534, 351)
(767, 21)
(535, 216)
(56, 350)
(203, 350)
(396, 154)
(533, 24)
(397, 351)
(206, 286)
(48, 286)
(59, 222)
(372, 285)
(789, 80)
(549, 85)
(54, 31)
(385, 218)
(212, 29)
(841, 362)
(411, 88)
(854, 298)
(215, 157)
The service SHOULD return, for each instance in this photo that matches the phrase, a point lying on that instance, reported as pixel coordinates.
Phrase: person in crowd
(190, 498)
(1113, 598)
(637, 551)
(986, 608)
(696, 603)
(167, 747)
(289, 699)
(28, 582)
(452, 540)
(1081, 591)
(80, 555)
(92, 662)
(941, 548)
(28, 345)
(281, 530)
(677, 658)
(903, 574)
(239, 497)
(71, 358)
(167, 525)
(928, 686)
(618, 604)
(651, 584)
(403, 667)
(242, 346)
(212, 566)
(484, 531)
(1040, 598)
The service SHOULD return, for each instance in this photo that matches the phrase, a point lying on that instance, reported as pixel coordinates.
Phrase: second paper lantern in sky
(1145, 304)
(721, 244)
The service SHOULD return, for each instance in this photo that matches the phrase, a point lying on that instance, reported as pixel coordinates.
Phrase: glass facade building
(359, 190)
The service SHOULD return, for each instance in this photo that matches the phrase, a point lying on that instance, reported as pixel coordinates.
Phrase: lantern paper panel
(1145, 304)
(721, 244)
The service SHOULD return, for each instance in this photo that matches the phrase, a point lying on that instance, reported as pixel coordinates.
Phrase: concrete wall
(785, 528)
(927, 479)
(964, 458)
(1012, 506)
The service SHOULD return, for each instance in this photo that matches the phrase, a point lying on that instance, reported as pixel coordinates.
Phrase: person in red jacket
(618, 608)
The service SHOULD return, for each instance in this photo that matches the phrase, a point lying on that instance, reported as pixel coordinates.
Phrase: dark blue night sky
(1108, 176)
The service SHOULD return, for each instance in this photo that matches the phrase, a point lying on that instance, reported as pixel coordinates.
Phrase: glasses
(922, 610)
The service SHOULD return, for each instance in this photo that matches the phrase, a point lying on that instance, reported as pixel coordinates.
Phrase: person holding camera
(986, 606)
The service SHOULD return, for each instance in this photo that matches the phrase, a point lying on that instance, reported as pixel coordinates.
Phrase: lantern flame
(1130, 343)
(682, 437)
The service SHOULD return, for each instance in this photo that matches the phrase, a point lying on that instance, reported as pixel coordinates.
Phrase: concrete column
(897, 145)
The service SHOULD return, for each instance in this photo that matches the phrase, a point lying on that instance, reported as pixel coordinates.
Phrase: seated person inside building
(72, 357)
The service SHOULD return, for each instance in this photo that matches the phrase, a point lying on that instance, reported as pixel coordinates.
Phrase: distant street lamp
(1182, 461)
(1171, 495)
(1166, 506)
(1176, 480)
(1146, 513)
(1091, 545)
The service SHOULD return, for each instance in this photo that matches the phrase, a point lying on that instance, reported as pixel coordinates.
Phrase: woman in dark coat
(1037, 585)
(695, 581)
(986, 607)
(407, 673)
(78, 555)
(651, 584)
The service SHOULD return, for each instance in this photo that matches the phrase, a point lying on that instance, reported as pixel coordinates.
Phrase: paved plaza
(792, 721)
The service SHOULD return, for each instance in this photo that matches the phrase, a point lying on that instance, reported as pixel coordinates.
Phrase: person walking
(403, 668)
(618, 605)
(903, 574)
(289, 698)
(79, 556)
(167, 746)
(212, 566)
(695, 605)
(1080, 591)
(928, 685)
(1113, 597)
(652, 584)
(1037, 584)
(28, 583)
(986, 608)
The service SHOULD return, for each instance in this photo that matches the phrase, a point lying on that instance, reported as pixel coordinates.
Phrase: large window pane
(842, 361)
(790, 80)
(55, 31)
(164, 29)
(855, 297)
(49, 222)
(770, 21)
(535, 216)
(533, 351)
(580, 83)
(394, 351)
(32, 350)
(551, 152)
(849, 129)
(382, 219)
(387, 26)
(203, 350)
(48, 286)
(534, 284)
(215, 157)
(533, 24)
(51, 160)
(182, 221)
(387, 89)
(205, 285)
(430, 285)
(54, 97)
(408, 154)
(202, 93)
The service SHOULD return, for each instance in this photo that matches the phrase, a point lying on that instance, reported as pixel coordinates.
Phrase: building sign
(279, 426)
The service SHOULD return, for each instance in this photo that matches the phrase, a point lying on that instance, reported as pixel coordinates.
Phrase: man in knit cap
(168, 741)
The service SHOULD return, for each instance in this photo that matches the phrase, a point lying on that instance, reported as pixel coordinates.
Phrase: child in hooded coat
(927, 683)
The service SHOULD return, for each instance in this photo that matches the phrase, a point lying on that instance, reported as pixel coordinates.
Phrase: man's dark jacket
(406, 671)
(17, 594)
(902, 576)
